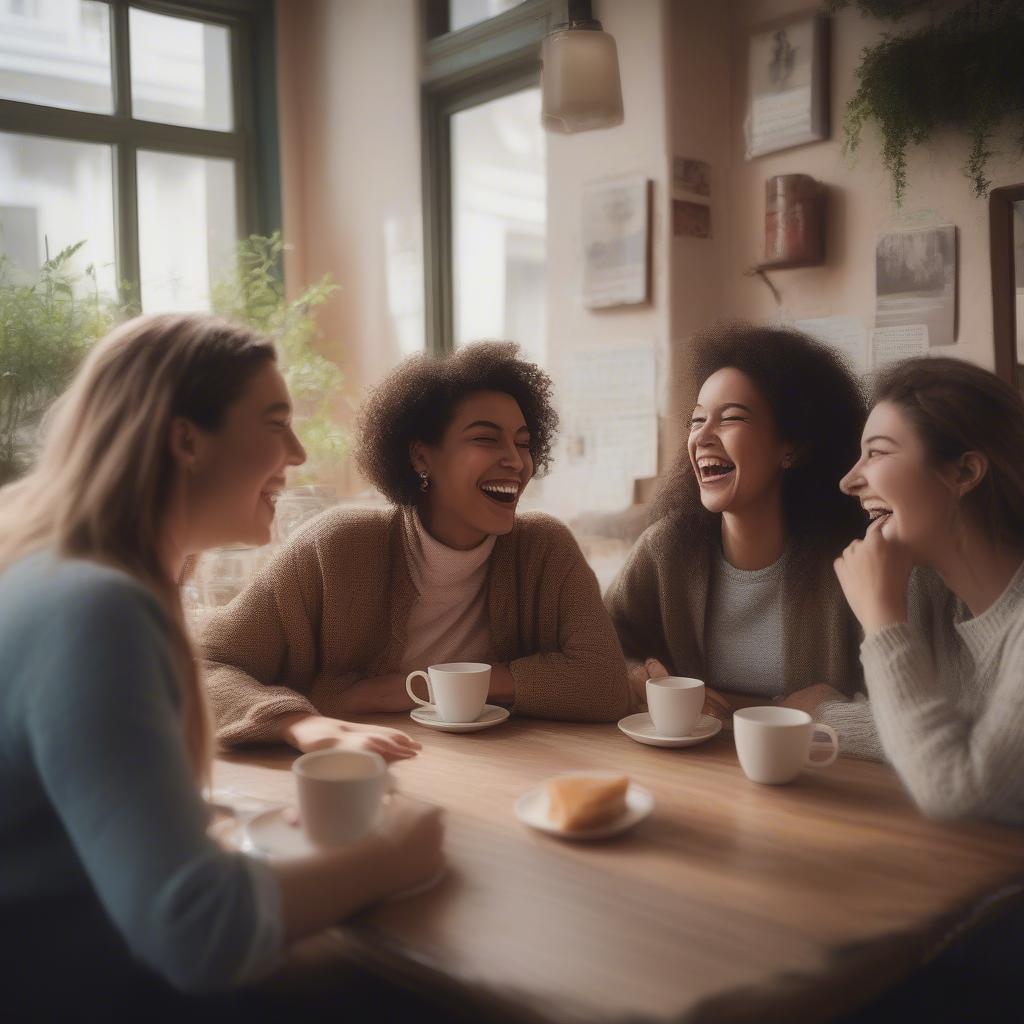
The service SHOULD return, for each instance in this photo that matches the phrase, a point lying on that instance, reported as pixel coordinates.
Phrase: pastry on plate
(585, 801)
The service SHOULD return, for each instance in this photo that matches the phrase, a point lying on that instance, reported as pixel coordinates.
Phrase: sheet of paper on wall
(616, 227)
(611, 424)
(891, 344)
(915, 281)
(846, 334)
(788, 85)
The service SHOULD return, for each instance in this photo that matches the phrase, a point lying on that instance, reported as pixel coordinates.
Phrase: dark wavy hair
(417, 402)
(819, 408)
(957, 407)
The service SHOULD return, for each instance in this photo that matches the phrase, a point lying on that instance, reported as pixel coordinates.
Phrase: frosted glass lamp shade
(580, 80)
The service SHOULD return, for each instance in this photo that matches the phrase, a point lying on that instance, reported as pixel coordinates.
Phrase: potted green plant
(253, 293)
(47, 324)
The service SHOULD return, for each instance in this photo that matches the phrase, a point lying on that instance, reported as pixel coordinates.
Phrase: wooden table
(732, 902)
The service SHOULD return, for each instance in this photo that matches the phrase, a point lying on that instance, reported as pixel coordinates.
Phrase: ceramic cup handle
(830, 743)
(408, 687)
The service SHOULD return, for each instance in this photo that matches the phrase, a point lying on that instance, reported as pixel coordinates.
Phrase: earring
(787, 462)
(424, 480)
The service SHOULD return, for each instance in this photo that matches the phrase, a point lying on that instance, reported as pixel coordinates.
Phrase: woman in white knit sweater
(938, 584)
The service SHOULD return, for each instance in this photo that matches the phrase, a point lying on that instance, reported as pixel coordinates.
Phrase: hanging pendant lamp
(580, 83)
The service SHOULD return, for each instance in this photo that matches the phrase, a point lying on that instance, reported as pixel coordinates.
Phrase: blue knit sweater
(97, 795)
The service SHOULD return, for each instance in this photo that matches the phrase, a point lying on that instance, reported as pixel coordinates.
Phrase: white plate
(641, 728)
(272, 836)
(532, 810)
(489, 717)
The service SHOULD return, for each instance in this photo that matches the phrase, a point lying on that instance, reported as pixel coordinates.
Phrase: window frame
(481, 62)
(252, 144)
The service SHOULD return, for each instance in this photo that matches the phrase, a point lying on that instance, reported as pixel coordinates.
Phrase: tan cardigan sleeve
(634, 605)
(260, 651)
(584, 680)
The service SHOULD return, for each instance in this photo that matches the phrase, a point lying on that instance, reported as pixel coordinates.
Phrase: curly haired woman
(733, 582)
(450, 571)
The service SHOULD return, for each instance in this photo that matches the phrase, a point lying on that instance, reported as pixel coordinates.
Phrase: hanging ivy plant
(963, 71)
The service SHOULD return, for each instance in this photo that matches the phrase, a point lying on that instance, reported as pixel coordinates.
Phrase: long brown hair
(818, 407)
(957, 407)
(101, 486)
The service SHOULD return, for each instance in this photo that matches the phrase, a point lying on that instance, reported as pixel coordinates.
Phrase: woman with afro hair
(733, 582)
(449, 571)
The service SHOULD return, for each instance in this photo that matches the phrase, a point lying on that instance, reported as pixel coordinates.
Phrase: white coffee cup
(339, 793)
(675, 704)
(775, 744)
(456, 691)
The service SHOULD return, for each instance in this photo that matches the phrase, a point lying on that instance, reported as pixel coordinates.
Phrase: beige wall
(638, 146)
(860, 205)
(348, 83)
(700, 112)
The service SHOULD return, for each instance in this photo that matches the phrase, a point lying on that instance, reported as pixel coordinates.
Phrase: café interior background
(349, 101)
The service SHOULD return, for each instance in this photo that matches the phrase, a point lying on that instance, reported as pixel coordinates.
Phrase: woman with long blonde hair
(174, 437)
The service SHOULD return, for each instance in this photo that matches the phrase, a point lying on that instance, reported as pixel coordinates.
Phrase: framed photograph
(788, 84)
(616, 242)
(915, 275)
(693, 176)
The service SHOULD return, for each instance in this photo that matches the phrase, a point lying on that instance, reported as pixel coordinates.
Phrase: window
(484, 162)
(463, 13)
(148, 129)
(499, 215)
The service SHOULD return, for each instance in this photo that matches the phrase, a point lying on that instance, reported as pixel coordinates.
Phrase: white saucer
(532, 810)
(641, 728)
(489, 717)
(271, 836)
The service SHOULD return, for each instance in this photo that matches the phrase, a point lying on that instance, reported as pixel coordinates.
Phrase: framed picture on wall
(787, 68)
(616, 235)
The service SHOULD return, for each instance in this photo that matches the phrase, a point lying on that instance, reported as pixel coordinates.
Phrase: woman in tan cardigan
(733, 582)
(450, 572)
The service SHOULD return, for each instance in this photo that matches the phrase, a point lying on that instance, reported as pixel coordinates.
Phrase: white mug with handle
(775, 744)
(339, 792)
(458, 689)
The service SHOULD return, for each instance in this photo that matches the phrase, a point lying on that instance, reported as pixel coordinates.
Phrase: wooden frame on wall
(1004, 288)
(787, 83)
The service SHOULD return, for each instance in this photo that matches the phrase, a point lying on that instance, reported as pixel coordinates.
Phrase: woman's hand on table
(387, 694)
(316, 732)
(403, 850)
(810, 697)
(639, 673)
(874, 573)
(716, 704)
(409, 833)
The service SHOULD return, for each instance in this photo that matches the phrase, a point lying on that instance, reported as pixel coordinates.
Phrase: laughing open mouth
(712, 468)
(877, 512)
(504, 492)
